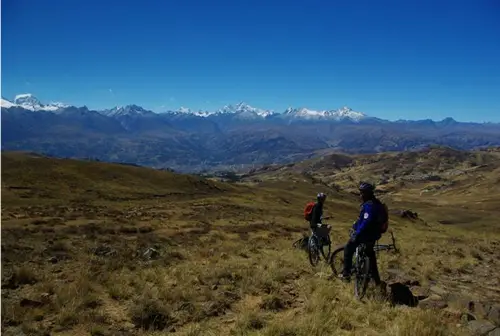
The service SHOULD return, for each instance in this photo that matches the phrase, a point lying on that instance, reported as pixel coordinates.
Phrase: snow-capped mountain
(340, 114)
(188, 111)
(244, 110)
(233, 135)
(240, 111)
(7, 104)
(129, 110)
(29, 102)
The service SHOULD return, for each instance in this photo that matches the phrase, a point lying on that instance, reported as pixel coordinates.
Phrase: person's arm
(365, 217)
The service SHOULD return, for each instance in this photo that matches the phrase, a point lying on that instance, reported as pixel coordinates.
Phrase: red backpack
(308, 210)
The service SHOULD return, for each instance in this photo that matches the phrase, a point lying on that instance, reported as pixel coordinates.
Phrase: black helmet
(321, 196)
(366, 187)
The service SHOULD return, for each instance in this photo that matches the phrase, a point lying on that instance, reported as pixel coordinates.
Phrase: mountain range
(235, 135)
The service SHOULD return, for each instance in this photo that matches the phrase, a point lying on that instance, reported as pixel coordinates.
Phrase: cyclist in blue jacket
(365, 230)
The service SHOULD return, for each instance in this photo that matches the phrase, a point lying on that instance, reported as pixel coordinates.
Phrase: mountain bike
(361, 264)
(317, 244)
(301, 243)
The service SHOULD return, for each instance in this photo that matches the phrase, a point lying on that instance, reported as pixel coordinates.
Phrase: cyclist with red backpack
(369, 227)
(314, 214)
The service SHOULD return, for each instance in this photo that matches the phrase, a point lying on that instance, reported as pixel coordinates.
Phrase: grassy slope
(73, 235)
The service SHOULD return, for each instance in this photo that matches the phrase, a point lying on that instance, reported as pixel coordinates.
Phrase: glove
(352, 238)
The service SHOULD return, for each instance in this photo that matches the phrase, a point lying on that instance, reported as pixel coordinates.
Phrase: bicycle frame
(386, 247)
(316, 244)
(360, 263)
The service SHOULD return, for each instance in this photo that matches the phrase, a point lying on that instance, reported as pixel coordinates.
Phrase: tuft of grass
(223, 263)
(151, 313)
(24, 275)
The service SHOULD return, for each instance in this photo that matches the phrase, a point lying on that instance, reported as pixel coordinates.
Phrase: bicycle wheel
(362, 269)
(298, 243)
(312, 249)
(326, 250)
(337, 260)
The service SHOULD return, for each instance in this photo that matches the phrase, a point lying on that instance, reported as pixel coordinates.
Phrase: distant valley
(233, 137)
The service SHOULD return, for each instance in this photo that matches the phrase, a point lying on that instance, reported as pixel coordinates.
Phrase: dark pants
(349, 250)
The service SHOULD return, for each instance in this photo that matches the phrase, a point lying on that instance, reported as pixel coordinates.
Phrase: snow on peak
(7, 104)
(347, 112)
(28, 101)
(243, 108)
(184, 110)
(129, 110)
(340, 114)
(306, 113)
(200, 113)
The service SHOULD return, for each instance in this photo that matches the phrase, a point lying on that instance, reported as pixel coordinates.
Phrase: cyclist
(317, 217)
(365, 230)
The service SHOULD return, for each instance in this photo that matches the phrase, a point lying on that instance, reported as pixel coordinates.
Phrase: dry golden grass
(218, 256)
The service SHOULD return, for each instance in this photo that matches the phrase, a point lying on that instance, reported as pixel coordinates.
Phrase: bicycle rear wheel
(313, 251)
(362, 276)
(337, 260)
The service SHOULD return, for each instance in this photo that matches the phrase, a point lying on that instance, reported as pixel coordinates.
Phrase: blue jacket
(367, 226)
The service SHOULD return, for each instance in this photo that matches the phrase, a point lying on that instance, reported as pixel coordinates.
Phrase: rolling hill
(108, 249)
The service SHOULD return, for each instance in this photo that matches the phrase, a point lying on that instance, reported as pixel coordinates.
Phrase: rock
(467, 317)
(432, 304)
(30, 303)
(462, 302)
(495, 332)
(13, 332)
(128, 326)
(438, 290)
(435, 297)
(480, 327)
(151, 253)
(104, 250)
(53, 260)
(400, 294)
(45, 297)
(420, 292)
(494, 314)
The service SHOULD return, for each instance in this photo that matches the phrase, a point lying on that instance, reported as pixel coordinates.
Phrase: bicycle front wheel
(362, 277)
(298, 243)
(326, 250)
(337, 260)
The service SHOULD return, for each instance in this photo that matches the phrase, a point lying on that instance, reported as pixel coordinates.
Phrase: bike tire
(313, 252)
(327, 247)
(336, 261)
(362, 277)
(297, 243)
(396, 249)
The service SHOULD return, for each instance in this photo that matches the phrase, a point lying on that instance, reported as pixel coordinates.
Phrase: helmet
(321, 196)
(366, 187)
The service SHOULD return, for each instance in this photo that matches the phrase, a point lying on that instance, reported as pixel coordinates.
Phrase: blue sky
(390, 59)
